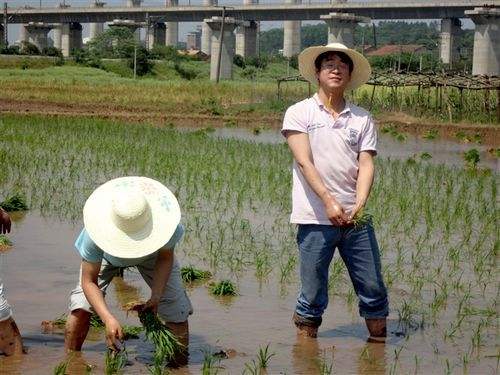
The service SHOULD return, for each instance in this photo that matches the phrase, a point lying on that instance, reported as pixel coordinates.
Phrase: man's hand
(4, 222)
(152, 305)
(358, 208)
(114, 334)
(335, 213)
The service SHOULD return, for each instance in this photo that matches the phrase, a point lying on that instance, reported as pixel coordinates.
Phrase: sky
(184, 27)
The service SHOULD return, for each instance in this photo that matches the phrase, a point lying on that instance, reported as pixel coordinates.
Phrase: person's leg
(174, 307)
(360, 253)
(316, 247)
(10, 337)
(78, 321)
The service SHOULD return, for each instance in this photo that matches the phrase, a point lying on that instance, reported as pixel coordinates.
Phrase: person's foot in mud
(305, 328)
(10, 338)
(378, 330)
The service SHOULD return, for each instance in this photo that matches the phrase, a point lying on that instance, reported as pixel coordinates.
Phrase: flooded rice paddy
(437, 227)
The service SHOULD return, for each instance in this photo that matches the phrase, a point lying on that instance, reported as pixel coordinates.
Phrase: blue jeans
(359, 250)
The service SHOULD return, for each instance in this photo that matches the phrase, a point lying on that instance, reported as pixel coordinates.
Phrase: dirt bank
(489, 133)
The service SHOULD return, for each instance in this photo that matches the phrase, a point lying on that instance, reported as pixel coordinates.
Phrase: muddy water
(42, 268)
(443, 151)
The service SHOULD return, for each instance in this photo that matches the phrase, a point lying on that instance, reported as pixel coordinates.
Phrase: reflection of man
(10, 338)
(333, 143)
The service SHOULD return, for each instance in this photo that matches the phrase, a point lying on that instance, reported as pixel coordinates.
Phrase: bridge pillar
(486, 56)
(246, 39)
(156, 35)
(341, 27)
(172, 37)
(228, 44)
(57, 35)
(37, 33)
(137, 30)
(96, 28)
(450, 31)
(291, 35)
(206, 31)
(71, 37)
(23, 33)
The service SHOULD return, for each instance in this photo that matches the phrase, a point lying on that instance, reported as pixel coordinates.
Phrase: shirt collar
(346, 110)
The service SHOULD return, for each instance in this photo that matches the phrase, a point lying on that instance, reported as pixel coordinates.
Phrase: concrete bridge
(161, 24)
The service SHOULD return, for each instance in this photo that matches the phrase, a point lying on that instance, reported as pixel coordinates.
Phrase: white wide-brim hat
(131, 217)
(361, 67)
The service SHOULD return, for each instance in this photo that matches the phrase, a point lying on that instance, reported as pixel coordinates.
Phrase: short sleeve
(368, 136)
(87, 249)
(176, 237)
(295, 119)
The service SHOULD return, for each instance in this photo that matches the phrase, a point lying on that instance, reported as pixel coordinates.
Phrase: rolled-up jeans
(359, 251)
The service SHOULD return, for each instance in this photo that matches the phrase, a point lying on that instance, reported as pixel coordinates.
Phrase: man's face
(333, 73)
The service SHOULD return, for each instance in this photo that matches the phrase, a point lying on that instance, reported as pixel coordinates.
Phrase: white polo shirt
(335, 145)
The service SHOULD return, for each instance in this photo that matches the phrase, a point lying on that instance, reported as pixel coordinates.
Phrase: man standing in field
(333, 143)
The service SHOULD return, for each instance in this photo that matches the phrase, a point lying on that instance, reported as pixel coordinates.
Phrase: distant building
(394, 49)
(194, 39)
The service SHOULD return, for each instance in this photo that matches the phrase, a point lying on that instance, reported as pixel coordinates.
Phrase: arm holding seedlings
(90, 273)
(301, 150)
(161, 274)
(364, 183)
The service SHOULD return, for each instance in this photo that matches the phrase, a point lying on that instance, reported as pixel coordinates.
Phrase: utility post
(5, 24)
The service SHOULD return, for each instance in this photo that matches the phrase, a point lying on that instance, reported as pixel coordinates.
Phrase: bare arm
(161, 274)
(364, 183)
(90, 273)
(301, 150)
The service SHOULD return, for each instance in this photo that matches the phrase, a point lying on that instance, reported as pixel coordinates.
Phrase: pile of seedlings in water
(223, 288)
(190, 274)
(17, 202)
(5, 243)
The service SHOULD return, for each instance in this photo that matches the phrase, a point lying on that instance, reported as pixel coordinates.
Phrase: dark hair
(342, 56)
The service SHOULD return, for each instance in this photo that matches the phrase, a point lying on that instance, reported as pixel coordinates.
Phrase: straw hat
(361, 71)
(131, 217)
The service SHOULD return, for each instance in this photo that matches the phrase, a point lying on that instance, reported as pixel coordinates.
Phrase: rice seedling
(5, 242)
(263, 357)
(211, 363)
(190, 274)
(430, 134)
(425, 156)
(16, 202)
(61, 367)
(223, 288)
(114, 361)
(167, 345)
(472, 158)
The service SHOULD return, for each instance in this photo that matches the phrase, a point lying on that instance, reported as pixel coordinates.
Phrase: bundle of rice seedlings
(361, 218)
(131, 332)
(190, 274)
(166, 343)
(17, 202)
(223, 288)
